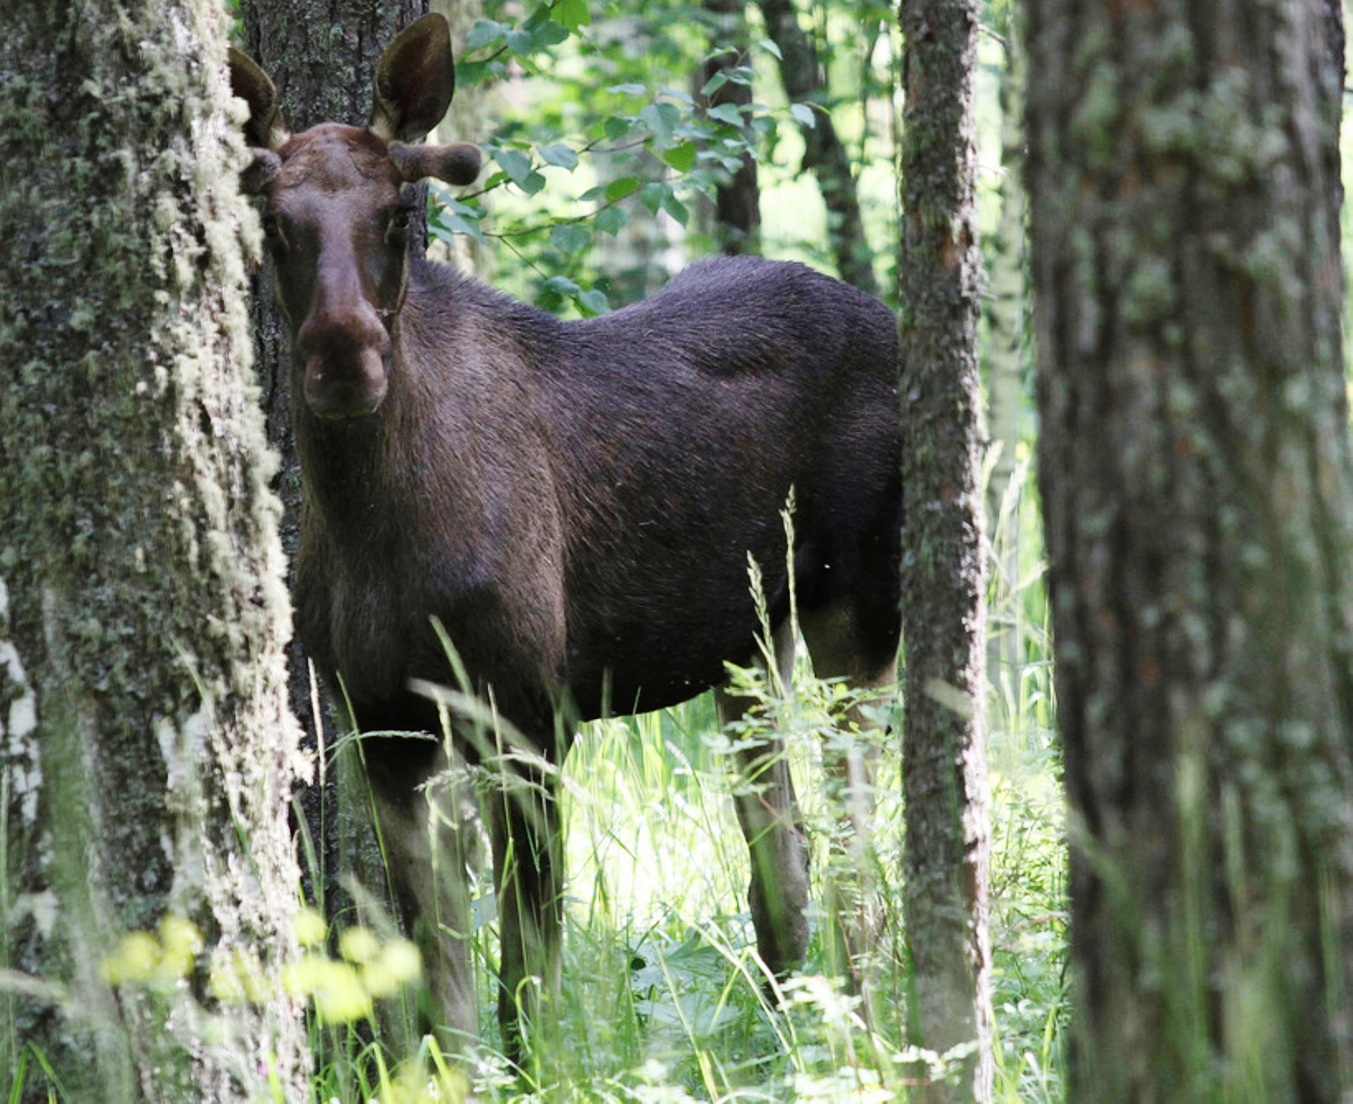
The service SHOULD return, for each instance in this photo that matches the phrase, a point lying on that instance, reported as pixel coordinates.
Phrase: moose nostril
(337, 338)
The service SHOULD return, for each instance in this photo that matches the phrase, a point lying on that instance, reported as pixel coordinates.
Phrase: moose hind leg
(768, 813)
(418, 807)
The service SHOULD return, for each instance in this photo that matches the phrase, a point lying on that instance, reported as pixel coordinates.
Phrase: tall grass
(664, 998)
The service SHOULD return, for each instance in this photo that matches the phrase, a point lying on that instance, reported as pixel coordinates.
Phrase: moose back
(574, 503)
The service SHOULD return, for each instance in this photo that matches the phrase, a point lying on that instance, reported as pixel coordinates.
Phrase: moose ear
(415, 80)
(458, 163)
(266, 129)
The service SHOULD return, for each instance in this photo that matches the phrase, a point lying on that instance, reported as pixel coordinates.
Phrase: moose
(558, 512)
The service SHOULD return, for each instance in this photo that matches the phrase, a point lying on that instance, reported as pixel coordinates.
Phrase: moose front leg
(527, 864)
(418, 814)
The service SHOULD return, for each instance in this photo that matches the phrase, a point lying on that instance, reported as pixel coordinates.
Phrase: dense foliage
(602, 132)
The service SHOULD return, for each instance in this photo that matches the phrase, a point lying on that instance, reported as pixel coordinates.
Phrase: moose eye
(272, 230)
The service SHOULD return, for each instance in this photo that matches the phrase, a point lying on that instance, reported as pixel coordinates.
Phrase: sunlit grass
(664, 998)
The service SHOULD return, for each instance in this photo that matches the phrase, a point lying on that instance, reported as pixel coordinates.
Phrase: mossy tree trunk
(824, 154)
(322, 55)
(146, 749)
(944, 577)
(1197, 482)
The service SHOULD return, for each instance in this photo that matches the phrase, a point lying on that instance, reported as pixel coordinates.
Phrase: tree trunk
(824, 154)
(1197, 482)
(944, 736)
(321, 56)
(1005, 363)
(737, 199)
(145, 743)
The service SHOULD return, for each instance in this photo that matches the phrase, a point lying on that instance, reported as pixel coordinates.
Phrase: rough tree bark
(1197, 481)
(321, 54)
(824, 153)
(146, 750)
(944, 734)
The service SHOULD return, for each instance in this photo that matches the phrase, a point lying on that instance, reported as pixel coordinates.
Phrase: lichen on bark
(145, 613)
(944, 579)
(1197, 483)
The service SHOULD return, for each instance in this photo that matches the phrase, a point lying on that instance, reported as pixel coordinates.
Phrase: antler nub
(458, 163)
(260, 170)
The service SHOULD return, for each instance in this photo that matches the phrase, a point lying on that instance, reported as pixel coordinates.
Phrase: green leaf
(572, 14)
(451, 217)
(662, 119)
(769, 46)
(804, 114)
(593, 303)
(619, 189)
(515, 163)
(551, 34)
(517, 166)
(562, 157)
(612, 220)
(562, 285)
(617, 126)
(714, 83)
(627, 89)
(726, 113)
(675, 208)
(543, 29)
(470, 73)
(654, 194)
(570, 237)
(483, 33)
(681, 157)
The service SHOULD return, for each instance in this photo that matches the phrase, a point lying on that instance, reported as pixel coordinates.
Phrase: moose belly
(637, 665)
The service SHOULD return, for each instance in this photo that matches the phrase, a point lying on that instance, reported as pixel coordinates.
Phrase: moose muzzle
(346, 353)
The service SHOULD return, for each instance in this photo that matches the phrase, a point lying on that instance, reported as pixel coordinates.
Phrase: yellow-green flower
(237, 977)
(310, 928)
(180, 944)
(358, 945)
(397, 964)
(335, 987)
(135, 961)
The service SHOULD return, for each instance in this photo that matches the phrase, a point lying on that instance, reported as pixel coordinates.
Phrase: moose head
(337, 212)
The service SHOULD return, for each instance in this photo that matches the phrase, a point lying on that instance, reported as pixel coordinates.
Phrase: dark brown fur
(574, 501)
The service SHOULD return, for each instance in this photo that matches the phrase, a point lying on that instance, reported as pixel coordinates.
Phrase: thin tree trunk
(469, 119)
(944, 735)
(737, 202)
(1197, 480)
(824, 155)
(146, 750)
(1005, 363)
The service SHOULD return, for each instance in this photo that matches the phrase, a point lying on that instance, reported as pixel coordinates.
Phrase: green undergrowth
(664, 998)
